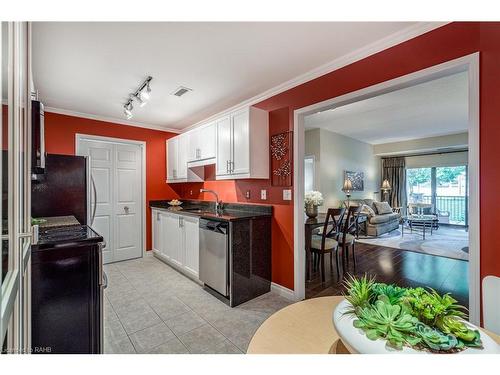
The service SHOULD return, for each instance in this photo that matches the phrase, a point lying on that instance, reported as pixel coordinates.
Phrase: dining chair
(491, 313)
(347, 236)
(326, 243)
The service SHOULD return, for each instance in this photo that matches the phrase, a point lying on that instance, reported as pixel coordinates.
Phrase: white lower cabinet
(176, 240)
(191, 244)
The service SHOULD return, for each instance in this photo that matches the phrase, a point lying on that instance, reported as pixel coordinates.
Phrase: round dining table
(304, 327)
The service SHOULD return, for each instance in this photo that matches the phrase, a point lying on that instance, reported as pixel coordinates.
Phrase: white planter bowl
(356, 341)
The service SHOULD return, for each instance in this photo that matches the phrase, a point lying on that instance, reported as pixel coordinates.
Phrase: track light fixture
(142, 95)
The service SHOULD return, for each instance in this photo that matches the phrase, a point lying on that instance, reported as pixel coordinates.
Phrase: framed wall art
(281, 159)
(356, 178)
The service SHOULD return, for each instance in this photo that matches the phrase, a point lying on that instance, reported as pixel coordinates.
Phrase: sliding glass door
(442, 190)
(451, 193)
(15, 205)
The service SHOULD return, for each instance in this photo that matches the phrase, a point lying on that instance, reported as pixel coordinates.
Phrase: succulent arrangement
(415, 317)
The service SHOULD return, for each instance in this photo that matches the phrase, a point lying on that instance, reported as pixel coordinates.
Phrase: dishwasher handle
(214, 226)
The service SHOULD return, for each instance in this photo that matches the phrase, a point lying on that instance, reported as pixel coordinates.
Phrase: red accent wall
(60, 133)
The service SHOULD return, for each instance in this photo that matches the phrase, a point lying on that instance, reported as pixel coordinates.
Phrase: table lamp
(347, 188)
(386, 187)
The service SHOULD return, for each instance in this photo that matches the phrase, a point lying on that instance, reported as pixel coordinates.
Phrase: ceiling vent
(180, 91)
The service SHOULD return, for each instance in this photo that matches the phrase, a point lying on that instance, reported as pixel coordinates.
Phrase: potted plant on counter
(312, 200)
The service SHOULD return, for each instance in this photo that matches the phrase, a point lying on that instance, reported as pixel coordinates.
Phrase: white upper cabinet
(202, 143)
(177, 152)
(238, 143)
(224, 154)
(243, 145)
(182, 156)
(240, 163)
(172, 147)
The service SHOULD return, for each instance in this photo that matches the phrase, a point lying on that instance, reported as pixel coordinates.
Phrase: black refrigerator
(67, 278)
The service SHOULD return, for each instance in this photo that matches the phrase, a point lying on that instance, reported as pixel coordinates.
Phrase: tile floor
(151, 308)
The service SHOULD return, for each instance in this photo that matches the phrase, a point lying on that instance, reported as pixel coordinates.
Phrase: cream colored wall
(451, 159)
(428, 144)
(335, 153)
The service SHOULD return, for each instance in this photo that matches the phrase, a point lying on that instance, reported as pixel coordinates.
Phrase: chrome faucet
(218, 203)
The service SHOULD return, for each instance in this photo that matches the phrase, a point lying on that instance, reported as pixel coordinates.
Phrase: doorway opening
(465, 208)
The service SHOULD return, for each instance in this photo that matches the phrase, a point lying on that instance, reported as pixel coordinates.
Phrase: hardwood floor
(402, 267)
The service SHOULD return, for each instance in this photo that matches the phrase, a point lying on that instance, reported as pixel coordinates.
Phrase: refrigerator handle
(95, 200)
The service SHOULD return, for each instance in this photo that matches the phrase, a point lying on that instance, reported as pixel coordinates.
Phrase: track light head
(145, 95)
(127, 109)
(141, 99)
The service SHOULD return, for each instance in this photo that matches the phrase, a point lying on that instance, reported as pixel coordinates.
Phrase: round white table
(304, 327)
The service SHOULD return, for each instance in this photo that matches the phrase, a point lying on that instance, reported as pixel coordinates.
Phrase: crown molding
(382, 44)
(110, 119)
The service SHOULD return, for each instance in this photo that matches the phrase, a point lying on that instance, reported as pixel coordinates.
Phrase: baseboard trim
(283, 292)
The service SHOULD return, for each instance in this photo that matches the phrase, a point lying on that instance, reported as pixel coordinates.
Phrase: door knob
(126, 208)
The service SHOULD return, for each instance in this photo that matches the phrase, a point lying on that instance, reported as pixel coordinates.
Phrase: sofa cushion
(369, 203)
(367, 210)
(379, 219)
(383, 208)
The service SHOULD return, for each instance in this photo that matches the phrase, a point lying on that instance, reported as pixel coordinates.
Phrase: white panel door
(191, 244)
(172, 158)
(241, 142)
(116, 172)
(223, 146)
(127, 202)
(102, 184)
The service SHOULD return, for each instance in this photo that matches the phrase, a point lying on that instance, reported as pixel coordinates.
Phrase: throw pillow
(367, 210)
(383, 208)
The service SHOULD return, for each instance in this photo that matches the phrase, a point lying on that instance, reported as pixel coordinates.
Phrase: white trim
(142, 144)
(389, 41)
(283, 292)
(112, 120)
(469, 63)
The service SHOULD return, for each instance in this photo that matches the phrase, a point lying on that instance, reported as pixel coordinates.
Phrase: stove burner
(64, 233)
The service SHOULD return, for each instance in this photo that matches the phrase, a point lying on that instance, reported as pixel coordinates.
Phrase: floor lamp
(347, 188)
(386, 187)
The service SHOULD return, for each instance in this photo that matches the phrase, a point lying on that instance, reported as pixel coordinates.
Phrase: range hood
(196, 169)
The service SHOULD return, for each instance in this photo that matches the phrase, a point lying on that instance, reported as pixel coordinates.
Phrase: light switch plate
(287, 195)
(263, 194)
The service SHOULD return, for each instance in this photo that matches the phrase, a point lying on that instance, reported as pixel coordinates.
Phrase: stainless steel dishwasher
(214, 257)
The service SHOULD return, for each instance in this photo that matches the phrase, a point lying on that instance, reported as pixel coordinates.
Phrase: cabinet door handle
(227, 166)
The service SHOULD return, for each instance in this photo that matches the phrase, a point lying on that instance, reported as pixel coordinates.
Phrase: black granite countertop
(206, 210)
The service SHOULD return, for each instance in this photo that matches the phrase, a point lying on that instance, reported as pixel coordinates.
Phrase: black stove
(66, 236)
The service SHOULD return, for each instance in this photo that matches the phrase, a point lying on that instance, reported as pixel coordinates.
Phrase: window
(309, 173)
(445, 188)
